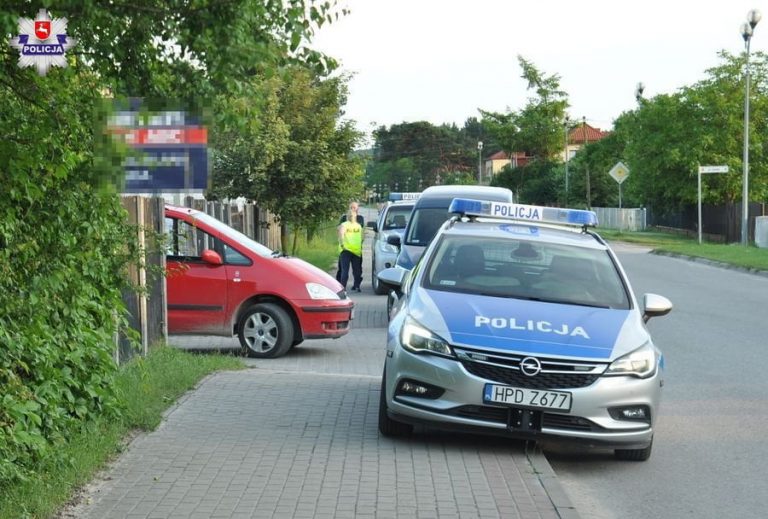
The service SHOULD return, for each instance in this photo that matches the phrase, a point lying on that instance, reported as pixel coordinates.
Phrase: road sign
(619, 172)
(713, 169)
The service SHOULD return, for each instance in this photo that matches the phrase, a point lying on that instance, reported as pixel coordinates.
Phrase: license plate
(537, 398)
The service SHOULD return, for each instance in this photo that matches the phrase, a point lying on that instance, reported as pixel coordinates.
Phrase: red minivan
(221, 282)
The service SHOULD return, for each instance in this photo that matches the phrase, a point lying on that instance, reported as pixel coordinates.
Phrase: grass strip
(749, 257)
(149, 386)
(322, 250)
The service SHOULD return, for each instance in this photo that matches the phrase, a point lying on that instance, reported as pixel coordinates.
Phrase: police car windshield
(424, 224)
(526, 269)
(397, 217)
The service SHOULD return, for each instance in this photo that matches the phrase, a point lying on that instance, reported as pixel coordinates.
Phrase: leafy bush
(64, 245)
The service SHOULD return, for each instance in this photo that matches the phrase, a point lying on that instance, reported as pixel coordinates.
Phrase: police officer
(350, 232)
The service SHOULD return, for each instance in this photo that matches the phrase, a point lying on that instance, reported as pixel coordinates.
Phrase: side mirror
(373, 226)
(655, 306)
(392, 276)
(394, 239)
(212, 257)
(393, 299)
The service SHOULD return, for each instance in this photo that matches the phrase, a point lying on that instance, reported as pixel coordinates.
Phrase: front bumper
(325, 319)
(461, 406)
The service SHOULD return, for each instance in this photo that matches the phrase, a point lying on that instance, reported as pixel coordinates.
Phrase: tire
(387, 426)
(634, 454)
(265, 331)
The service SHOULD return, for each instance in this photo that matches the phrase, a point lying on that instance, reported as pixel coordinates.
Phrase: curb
(549, 482)
(711, 263)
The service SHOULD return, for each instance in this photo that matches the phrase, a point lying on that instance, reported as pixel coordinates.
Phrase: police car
(390, 222)
(519, 320)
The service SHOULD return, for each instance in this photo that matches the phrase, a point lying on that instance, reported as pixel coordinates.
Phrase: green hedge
(64, 247)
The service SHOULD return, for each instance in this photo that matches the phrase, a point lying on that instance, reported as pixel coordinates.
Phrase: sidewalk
(297, 437)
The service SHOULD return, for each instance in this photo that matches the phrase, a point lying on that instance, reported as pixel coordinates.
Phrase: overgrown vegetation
(147, 387)
(64, 248)
(321, 250)
(64, 243)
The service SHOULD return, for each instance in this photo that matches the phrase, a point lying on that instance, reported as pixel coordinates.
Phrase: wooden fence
(147, 302)
(248, 218)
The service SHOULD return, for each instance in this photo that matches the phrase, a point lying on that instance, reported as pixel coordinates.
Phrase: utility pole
(565, 127)
(586, 162)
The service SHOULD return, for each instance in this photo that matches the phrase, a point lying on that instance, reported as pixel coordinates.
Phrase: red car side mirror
(212, 257)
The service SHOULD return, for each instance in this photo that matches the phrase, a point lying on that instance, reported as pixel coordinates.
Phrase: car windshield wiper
(279, 254)
(560, 301)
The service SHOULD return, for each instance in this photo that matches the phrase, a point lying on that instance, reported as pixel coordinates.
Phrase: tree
(534, 183)
(537, 128)
(437, 154)
(64, 243)
(669, 136)
(296, 158)
(599, 157)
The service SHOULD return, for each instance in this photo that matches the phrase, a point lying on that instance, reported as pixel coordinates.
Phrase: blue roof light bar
(530, 213)
(394, 197)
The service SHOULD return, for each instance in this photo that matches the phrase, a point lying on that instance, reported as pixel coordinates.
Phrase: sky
(442, 60)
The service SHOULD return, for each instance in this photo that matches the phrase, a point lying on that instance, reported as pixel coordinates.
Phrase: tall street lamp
(565, 131)
(479, 162)
(747, 29)
(586, 163)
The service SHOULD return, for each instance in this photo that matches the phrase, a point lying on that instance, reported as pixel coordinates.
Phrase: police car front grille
(505, 369)
(540, 381)
(501, 415)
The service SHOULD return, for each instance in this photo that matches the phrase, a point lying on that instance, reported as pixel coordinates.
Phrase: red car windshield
(234, 234)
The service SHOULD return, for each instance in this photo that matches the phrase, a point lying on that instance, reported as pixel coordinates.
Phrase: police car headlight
(417, 339)
(318, 291)
(640, 363)
(386, 247)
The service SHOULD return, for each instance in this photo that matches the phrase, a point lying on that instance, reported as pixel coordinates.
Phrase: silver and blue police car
(391, 222)
(519, 320)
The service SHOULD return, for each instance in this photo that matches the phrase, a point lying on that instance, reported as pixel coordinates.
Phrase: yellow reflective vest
(352, 238)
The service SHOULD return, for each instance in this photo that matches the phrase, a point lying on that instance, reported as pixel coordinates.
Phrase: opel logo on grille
(530, 366)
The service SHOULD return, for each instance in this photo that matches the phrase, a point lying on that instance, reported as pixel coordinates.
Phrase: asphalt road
(710, 455)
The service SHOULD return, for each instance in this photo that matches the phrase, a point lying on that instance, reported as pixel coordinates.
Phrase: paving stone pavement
(297, 437)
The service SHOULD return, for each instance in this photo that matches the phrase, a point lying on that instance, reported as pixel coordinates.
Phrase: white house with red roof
(578, 137)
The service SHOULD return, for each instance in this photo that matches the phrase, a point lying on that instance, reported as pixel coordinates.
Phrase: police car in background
(391, 222)
(514, 322)
(429, 213)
